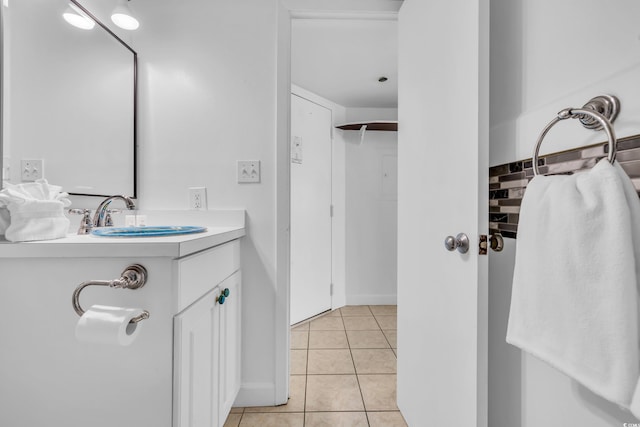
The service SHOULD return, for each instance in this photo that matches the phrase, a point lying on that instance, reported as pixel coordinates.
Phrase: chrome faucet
(99, 219)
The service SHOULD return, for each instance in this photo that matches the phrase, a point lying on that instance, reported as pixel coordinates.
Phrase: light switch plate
(248, 171)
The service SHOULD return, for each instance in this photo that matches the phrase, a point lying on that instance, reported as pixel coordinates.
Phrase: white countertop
(229, 226)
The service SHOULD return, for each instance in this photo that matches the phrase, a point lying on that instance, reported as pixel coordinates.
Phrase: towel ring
(133, 277)
(578, 113)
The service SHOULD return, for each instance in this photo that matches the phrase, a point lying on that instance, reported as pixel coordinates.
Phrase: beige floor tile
(374, 361)
(297, 389)
(378, 392)
(386, 419)
(332, 323)
(395, 351)
(327, 393)
(298, 362)
(299, 339)
(387, 322)
(272, 420)
(330, 362)
(237, 410)
(301, 327)
(233, 420)
(367, 339)
(336, 419)
(384, 310)
(356, 310)
(360, 323)
(333, 313)
(392, 337)
(328, 339)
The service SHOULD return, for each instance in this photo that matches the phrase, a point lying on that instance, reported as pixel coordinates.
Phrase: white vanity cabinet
(207, 341)
(207, 357)
(182, 369)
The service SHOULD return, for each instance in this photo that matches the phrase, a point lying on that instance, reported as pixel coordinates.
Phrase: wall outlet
(31, 170)
(248, 171)
(198, 198)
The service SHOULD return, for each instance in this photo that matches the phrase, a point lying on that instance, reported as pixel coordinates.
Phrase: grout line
(306, 382)
(357, 379)
(388, 342)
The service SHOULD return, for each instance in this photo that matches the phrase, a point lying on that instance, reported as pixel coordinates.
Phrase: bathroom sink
(147, 231)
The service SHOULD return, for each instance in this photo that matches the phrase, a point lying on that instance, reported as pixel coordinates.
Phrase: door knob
(460, 242)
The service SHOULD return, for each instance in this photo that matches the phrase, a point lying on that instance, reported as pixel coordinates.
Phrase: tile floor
(343, 373)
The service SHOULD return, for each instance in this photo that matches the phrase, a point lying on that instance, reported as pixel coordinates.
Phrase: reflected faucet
(101, 212)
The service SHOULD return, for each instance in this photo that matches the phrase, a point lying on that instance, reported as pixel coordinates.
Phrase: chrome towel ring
(133, 277)
(597, 114)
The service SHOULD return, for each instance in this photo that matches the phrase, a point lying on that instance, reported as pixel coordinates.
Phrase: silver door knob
(460, 242)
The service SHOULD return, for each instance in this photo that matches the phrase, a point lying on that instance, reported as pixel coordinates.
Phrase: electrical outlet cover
(248, 171)
(198, 198)
(31, 169)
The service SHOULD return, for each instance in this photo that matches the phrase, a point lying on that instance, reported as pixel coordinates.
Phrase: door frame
(288, 10)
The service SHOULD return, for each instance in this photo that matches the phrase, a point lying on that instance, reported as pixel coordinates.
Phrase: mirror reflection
(68, 100)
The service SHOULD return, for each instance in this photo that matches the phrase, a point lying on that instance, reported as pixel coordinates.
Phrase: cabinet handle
(223, 296)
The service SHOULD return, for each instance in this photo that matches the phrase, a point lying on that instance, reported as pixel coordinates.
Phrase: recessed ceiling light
(382, 79)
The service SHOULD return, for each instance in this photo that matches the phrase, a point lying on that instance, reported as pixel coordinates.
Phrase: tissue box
(5, 219)
(36, 220)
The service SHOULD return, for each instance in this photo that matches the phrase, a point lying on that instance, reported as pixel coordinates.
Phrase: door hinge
(331, 289)
(331, 211)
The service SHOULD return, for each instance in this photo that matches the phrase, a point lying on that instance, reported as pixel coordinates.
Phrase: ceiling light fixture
(76, 17)
(123, 17)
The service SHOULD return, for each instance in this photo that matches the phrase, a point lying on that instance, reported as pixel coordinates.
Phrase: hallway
(343, 373)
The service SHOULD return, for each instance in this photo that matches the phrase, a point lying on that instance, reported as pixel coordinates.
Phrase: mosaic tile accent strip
(508, 182)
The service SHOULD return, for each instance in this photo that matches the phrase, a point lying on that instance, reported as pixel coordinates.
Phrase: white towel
(575, 287)
(35, 212)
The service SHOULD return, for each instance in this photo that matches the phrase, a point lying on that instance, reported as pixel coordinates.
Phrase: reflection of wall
(71, 100)
(372, 204)
(5, 144)
(535, 72)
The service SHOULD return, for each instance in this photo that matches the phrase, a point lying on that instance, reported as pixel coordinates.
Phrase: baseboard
(372, 299)
(255, 394)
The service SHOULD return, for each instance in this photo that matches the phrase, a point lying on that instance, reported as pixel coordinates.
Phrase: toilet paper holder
(133, 277)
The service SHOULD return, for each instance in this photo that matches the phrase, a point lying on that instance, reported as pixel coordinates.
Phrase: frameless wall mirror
(68, 100)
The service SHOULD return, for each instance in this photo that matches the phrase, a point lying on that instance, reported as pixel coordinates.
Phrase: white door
(310, 209)
(443, 190)
(230, 345)
(196, 352)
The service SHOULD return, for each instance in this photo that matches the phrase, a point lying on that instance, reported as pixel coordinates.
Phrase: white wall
(545, 56)
(372, 204)
(207, 87)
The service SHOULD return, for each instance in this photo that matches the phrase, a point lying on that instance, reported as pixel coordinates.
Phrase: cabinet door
(196, 350)
(230, 338)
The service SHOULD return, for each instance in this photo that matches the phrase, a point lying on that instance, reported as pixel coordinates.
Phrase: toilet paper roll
(108, 325)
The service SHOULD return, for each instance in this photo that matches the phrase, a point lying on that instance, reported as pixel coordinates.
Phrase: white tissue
(108, 325)
(33, 211)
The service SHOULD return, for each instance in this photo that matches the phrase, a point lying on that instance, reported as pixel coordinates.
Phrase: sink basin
(147, 231)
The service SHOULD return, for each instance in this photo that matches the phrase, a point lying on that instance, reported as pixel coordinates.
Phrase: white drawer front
(201, 272)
